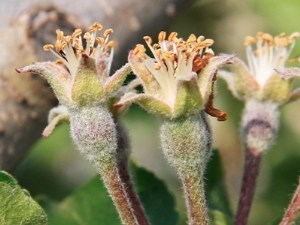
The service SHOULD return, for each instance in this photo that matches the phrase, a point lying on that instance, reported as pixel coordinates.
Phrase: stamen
(76, 33)
(172, 36)
(100, 40)
(192, 38)
(108, 32)
(95, 27)
(59, 34)
(249, 40)
(48, 47)
(148, 40)
(162, 36)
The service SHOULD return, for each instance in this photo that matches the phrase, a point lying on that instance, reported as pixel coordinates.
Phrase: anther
(162, 36)
(48, 47)
(108, 32)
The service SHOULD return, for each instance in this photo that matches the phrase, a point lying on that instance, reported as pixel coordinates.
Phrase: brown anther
(110, 44)
(156, 46)
(281, 41)
(199, 63)
(95, 26)
(162, 36)
(200, 39)
(192, 38)
(267, 37)
(88, 37)
(59, 45)
(48, 47)
(172, 36)
(59, 62)
(208, 42)
(108, 32)
(76, 33)
(59, 34)
(100, 40)
(249, 40)
(139, 49)
(148, 40)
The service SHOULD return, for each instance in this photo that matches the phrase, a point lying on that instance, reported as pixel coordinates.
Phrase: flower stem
(186, 145)
(136, 206)
(123, 154)
(96, 135)
(251, 168)
(195, 200)
(293, 210)
(117, 190)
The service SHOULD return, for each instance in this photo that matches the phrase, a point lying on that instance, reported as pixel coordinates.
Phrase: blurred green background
(55, 168)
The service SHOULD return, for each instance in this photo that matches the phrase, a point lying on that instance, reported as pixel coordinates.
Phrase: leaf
(215, 188)
(91, 205)
(157, 200)
(16, 205)
(219, 218)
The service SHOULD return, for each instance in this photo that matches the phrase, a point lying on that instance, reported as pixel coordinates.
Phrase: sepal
(148, 102)
(57, 76)
(208, 73)
(87, 88)
(56, 115)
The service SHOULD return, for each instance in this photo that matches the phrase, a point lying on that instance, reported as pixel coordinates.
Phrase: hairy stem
(251, 168)
(123, 154)
(195, 200)
(293, 210)
(186, 145)
(118, 192)
(95, 133)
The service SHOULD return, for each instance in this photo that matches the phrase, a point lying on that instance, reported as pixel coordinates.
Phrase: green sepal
(57, 76)
(208, 73)
(87, 88)
(115, 82)
(148, 102)
(188, 98)
(240, 81)
(276, 89)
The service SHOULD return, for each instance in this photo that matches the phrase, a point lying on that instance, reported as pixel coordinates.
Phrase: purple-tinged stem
(293, 210)
(251, 168)
(123, 155)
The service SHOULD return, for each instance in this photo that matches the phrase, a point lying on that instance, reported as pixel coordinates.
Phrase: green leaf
(217, 194)
(16, 205)
(219, 218)
(91, 205)
(157, 200)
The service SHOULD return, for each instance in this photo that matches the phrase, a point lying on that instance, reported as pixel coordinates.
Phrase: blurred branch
(26, 99)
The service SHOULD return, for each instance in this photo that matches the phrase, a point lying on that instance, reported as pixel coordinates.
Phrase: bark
(25, 26)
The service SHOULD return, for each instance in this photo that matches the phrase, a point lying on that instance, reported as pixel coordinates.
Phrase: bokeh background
(54, 167)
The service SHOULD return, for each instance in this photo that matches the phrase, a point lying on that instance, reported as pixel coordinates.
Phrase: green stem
(186, 145)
